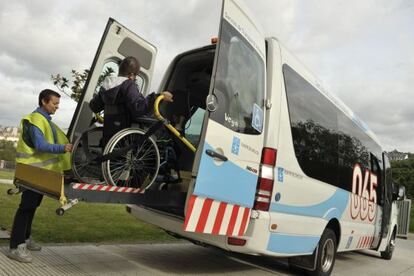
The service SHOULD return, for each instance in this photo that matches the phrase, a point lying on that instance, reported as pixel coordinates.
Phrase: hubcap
(392, 244)
(328, 253)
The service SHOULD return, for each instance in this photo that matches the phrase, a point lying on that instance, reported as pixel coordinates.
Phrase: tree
(77, 82)
(7, 150)
(403, 174)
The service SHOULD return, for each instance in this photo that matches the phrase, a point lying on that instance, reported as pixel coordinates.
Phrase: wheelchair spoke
(83, 166)
(136, 168)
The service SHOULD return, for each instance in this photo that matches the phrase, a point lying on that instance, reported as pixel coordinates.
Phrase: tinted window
(193, 126)
(327, 143)
(314, 128)
(388, 187)
(239, 83)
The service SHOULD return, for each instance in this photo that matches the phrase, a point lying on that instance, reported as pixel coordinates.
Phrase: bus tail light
(266, 180)
(236, 241)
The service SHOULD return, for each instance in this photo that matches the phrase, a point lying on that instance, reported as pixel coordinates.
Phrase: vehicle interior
(189, 82)
(168, 160)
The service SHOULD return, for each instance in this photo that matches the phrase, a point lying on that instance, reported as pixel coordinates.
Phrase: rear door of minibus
(117, 43)
(223, 192)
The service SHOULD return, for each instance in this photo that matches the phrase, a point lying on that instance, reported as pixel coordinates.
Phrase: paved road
(188, 259)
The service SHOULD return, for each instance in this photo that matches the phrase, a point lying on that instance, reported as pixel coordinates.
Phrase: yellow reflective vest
(30, 156)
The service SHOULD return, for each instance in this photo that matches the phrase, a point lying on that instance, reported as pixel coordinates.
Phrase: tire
(389, 250)
(326, 254)
(60, 212)
(136, 168)
(84, 169)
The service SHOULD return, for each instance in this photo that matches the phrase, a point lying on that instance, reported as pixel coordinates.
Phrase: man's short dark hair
(46, 94)
(129, 65)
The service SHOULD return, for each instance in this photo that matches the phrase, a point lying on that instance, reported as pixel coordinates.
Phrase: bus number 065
(364, 194)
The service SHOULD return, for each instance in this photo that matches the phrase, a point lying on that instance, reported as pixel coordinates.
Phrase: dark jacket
(122, 104)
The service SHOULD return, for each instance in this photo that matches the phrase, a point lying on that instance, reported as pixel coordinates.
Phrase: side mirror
(401, 192)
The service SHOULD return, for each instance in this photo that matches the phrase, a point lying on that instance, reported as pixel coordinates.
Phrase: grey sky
(360, 50)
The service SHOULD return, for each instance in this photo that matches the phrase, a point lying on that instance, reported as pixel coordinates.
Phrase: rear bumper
(256, 237)
(175, 225)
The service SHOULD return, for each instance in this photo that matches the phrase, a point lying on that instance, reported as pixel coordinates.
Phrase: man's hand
(68, 147)
(168, 97)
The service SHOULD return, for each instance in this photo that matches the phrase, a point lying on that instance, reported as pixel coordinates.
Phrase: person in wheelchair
(121, 101)
(124, 105)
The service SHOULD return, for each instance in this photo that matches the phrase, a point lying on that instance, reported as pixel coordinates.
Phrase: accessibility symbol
(257, 120)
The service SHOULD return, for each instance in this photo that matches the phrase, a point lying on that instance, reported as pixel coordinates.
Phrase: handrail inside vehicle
(169, 126)
(100, 119)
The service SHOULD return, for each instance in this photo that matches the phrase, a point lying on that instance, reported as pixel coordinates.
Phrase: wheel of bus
(85, 169)
(326, 254)
(131, 167)
(387, 254)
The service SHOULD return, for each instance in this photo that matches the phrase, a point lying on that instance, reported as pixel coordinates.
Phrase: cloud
(360, 50)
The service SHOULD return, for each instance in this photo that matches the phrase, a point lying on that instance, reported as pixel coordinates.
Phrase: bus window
(110, 68)
(193, 126)
(327, 142)
(239, 84)
(376, 169)
(388, 184)
(314, 128)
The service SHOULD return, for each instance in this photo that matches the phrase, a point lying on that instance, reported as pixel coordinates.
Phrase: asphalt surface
(189, 259)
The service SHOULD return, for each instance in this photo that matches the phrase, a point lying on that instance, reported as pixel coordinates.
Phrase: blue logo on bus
(235, 147)
(280, 172)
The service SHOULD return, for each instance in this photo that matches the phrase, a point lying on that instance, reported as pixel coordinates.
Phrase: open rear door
(387, 194)
(117, 43)
(226, 181)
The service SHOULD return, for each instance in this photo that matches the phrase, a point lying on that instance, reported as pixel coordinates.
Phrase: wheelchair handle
(168, 125)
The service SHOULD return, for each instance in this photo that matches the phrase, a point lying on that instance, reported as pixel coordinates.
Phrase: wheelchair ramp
(53, 185)
(125, 195)
(40, 180)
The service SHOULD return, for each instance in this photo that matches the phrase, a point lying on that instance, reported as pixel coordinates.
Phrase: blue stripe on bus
(328, 209)
(292, 244)
(226, 182)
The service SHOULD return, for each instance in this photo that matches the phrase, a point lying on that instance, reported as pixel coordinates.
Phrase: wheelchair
(136, 156)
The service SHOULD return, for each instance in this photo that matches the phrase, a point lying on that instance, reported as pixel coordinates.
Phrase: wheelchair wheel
(84, 169)
(137, 167)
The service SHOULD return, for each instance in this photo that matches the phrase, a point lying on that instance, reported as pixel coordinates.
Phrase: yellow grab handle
(169, 126)
(99, 118)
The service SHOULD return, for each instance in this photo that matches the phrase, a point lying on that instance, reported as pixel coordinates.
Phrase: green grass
(85, 222)
(6, 174)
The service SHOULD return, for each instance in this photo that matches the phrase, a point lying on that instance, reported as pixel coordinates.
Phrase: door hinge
(268, 104)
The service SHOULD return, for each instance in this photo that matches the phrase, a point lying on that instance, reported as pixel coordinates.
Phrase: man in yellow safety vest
(41, 144)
